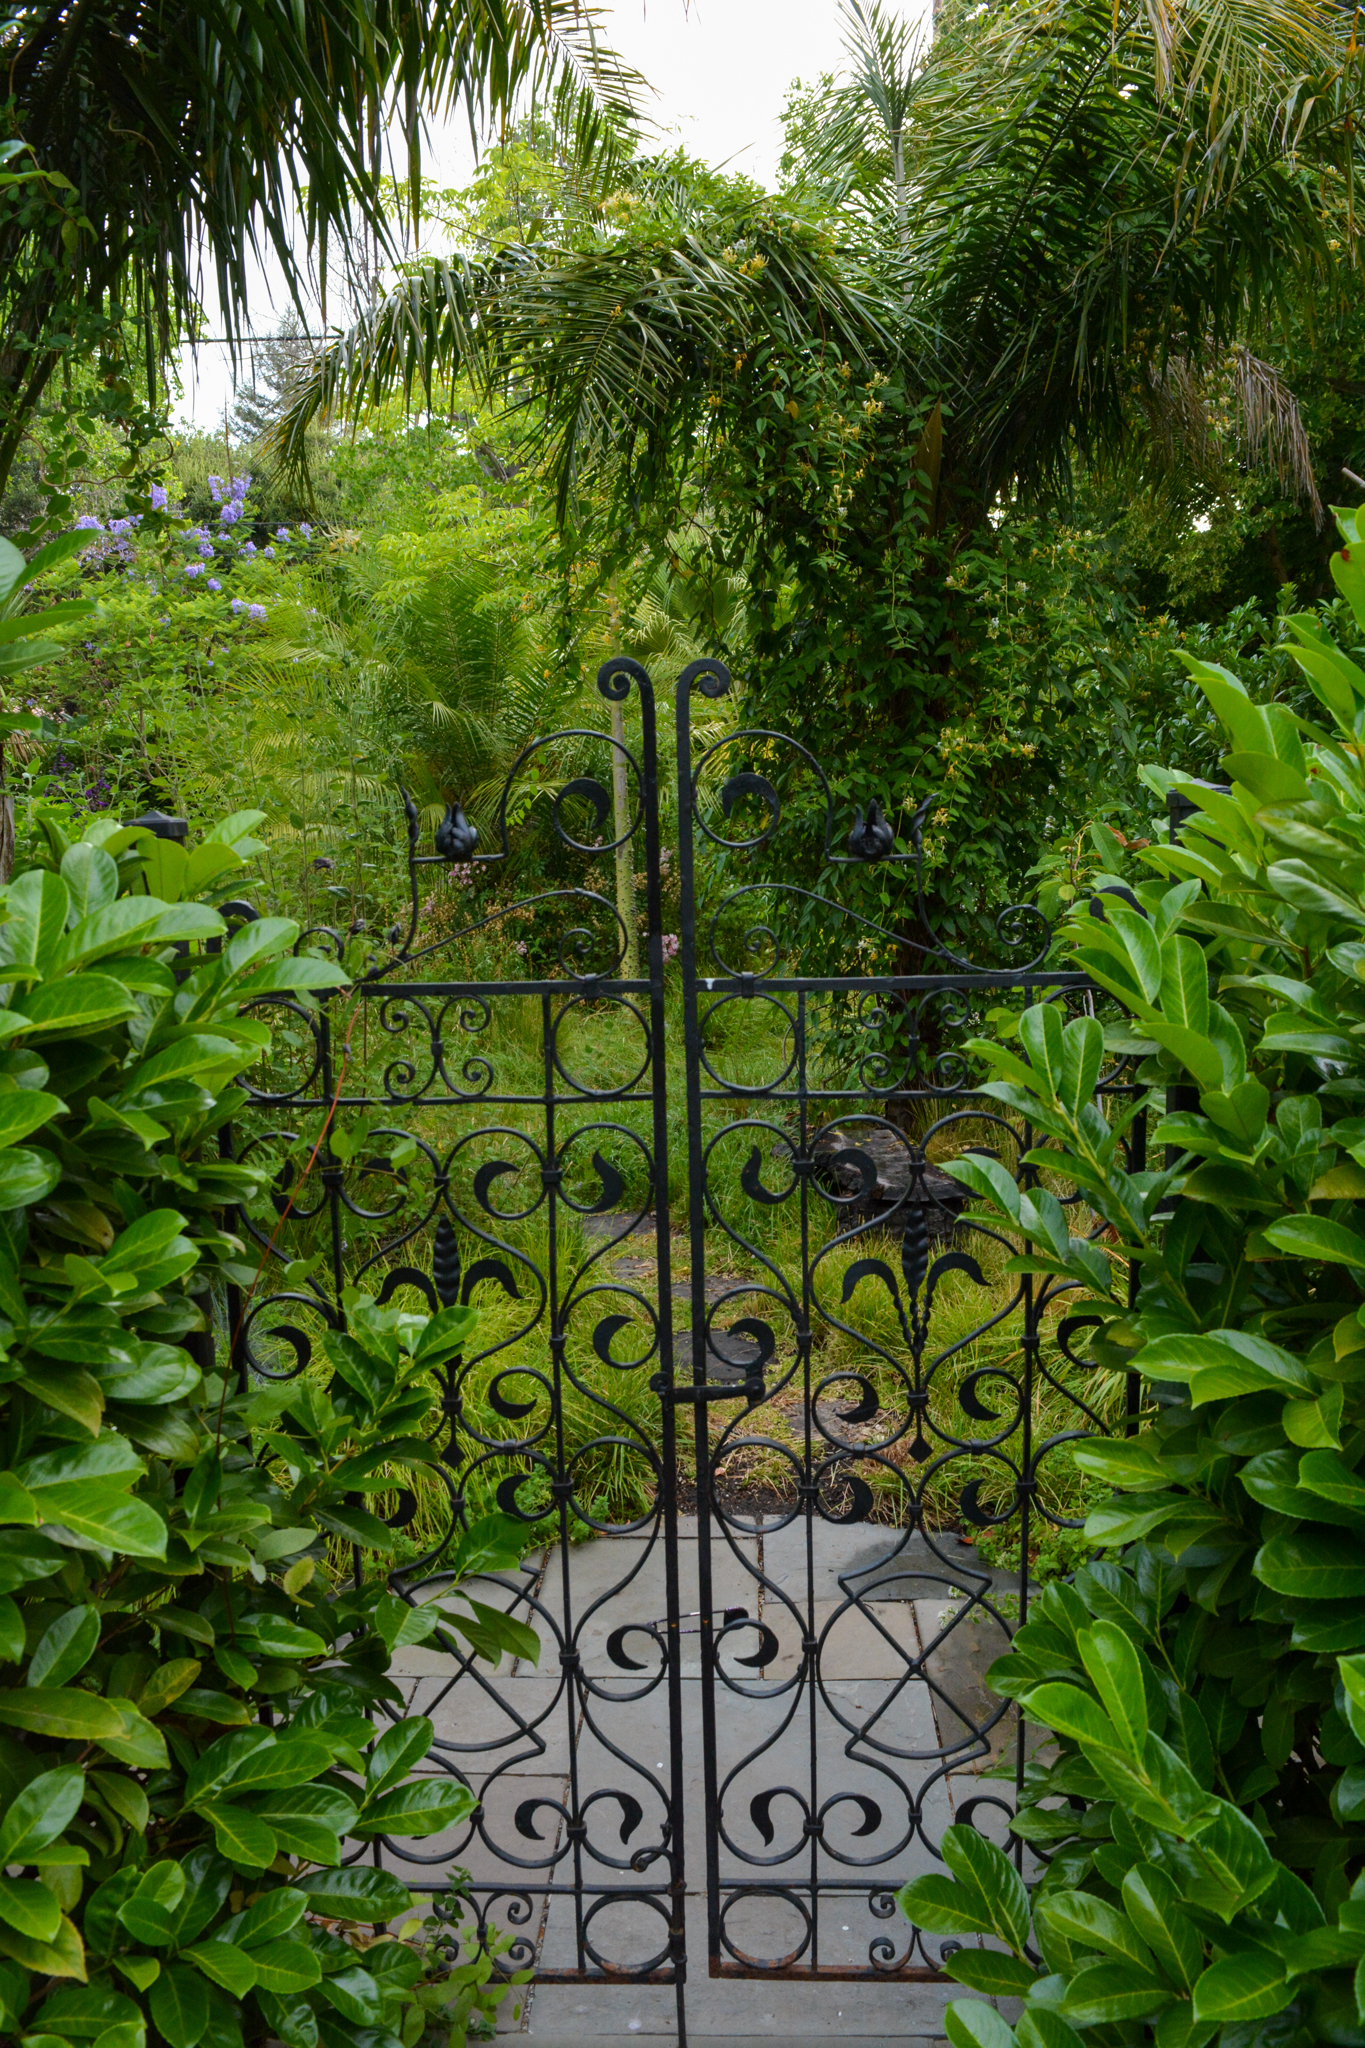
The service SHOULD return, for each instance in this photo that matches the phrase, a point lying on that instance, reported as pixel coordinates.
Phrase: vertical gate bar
(687, 954)
(1031, 1342)
(330, 1172)
(568, 1657)
(808, 1490)
(663, 1273)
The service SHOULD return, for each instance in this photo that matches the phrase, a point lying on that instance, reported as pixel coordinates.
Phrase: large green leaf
(27, 1175)
(283, 1763)
(113, 1520)
(1088, 1922)
(280, 1637)
(308, 1820)
(38, 905)
(141, 1744)
(1157, 1912)
(1115, 1670)
(423, 1806)
(1316, 1237)
(64, 1957)
(398, 1750)
(1102, 1994)
(63, 1713)
(215, 1766)
(1235, 1853)
(941, 1907)
(1250, 1986)
(976, 2026)
(285, 1966)
(990, 1971)
(1313, 1565)
(224, 1964)
(356, 1996)
(29, 1907)
(179, 2004)
(74, 1004)
(357, 1893)
(38, 1814)
(242, 1837)
(65, 1647)
(272, 1914)
(24, 1111)
(1072, 1712)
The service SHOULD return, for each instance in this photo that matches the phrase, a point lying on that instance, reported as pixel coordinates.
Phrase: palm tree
(1086, 196)
(164, 136)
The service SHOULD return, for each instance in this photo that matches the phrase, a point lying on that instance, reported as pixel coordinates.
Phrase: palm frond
(619, 347)
(208, 134)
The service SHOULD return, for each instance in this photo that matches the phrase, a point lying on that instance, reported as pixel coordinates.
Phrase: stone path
(898, 1684)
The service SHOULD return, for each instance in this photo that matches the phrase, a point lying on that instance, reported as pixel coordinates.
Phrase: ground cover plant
(192, 1699)
(1198, 1825)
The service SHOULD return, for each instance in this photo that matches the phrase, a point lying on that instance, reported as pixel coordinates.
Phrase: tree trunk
(6, 825)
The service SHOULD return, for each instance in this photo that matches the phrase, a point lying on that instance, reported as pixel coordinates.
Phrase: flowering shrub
(181, 610)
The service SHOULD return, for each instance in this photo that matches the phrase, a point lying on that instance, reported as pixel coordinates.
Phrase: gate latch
(751, 1389)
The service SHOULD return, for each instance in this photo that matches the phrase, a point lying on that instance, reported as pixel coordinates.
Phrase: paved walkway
(900, 1682)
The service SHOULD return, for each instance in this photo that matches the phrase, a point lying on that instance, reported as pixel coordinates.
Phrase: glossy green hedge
(189, 1701)
(1200, 1822)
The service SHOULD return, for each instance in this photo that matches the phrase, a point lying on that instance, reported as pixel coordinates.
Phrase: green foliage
(1204, 1865)
(187, 1692)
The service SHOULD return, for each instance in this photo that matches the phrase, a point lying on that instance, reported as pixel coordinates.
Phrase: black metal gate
(782, 1438)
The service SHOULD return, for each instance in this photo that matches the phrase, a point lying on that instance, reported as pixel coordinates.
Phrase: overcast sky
(720, 71)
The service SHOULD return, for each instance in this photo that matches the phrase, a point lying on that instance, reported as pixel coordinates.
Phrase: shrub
(1201, 1822)
(189, 1699)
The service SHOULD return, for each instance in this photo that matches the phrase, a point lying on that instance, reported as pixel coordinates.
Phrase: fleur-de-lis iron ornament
(872, 838)
(456, 838)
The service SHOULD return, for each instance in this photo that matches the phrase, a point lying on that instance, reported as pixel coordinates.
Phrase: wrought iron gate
(753, 1713)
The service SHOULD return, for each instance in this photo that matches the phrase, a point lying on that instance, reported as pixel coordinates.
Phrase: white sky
(720, 71)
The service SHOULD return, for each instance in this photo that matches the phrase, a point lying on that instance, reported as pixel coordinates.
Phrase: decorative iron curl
(477, 1071)
(616, 675)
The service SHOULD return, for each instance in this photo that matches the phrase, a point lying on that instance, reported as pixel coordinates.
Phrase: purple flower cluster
(194, 568)
(230, 497)
(158, 497)
(117, 547)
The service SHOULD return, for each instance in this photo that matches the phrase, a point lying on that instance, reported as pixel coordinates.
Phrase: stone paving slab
(872, 1728)
(752, 2009)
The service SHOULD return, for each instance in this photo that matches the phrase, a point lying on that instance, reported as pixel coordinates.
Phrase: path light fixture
(161, 827)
